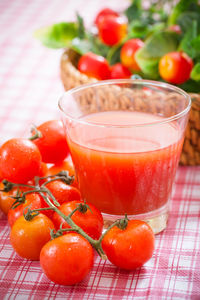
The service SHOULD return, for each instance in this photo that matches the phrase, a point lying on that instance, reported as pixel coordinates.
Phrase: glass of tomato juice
(125, 137)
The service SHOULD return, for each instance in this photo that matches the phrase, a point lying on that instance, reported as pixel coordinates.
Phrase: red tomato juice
(125, 169)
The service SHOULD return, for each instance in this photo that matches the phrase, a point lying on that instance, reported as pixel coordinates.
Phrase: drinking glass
(125, 138)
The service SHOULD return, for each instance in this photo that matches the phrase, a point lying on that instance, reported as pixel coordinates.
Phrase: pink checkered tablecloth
(29, 91)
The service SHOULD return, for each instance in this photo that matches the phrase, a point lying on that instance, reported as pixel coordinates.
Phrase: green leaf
(195, 74)
(148, 66)
(81, 28)
(113, 55)
(81, 46)
(58, 35)
(91, 44)
(140, 29)
(137, 29)
(97, 46)
(186, 19)
(133, 12)
(179, 8)
(191, 86)
(196, 44)
(189, 38)
(157, 45)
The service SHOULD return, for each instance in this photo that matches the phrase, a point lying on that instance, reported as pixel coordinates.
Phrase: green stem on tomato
(45, 190)
(95, 243)
(8, 186)
(67, 179)
(42, 209)
(46, 194)
(37, 134)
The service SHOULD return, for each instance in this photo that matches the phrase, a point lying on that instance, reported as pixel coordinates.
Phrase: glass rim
(141, 82)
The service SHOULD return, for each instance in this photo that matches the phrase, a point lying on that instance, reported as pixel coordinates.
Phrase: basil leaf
(58, 35)
(195, 74)
(157, 45)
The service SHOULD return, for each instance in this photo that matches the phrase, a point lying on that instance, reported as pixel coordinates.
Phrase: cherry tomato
(128, 51)
(6, 198)
(65, 165)
(175, 67)
(20, 160)
(131, 247)
(63, 192)
(112, 30)
(94, 66)
(6, 202)
(105, 12)
(53, 144)
(67, 259)
(43, 170)
(119, 71)
(1, 177)
(28, 237)
(90, 221)
(32, 200)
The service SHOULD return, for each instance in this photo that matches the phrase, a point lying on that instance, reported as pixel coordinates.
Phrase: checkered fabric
(29, 90)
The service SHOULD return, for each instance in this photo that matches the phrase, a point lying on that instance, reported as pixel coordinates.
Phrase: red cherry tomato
(67, 259)
(43, 170)
(20, 160)
(112, 29)
(175, 67)
(53, 144)
(128, 51)
(63, 192)
(131, 247)
(90, 221)
(94, 66)
(105, 12)
(32, 200)
(119, 71)
(6, 201)
(65, 165)
(28, 237)
(6, 198)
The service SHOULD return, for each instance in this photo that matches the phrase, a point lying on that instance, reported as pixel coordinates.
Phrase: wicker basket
(71, 78)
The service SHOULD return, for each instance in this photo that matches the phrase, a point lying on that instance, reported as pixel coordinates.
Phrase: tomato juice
(125, 161)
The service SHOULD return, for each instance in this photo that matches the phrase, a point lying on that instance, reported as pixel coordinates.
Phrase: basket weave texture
(190, 155)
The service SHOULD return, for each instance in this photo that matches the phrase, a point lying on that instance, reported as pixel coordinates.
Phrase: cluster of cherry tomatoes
(67, 258)
(174, 67)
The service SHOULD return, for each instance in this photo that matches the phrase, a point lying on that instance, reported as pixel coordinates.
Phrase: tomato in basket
(175, 67)
(128, 51)
(112, 30)
(105, 12)
(94, 66)
(118, 71)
